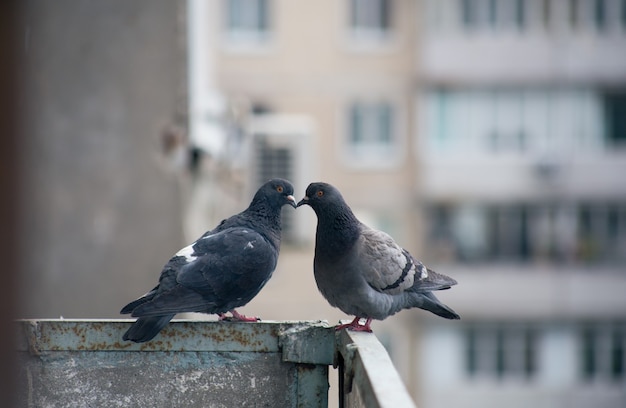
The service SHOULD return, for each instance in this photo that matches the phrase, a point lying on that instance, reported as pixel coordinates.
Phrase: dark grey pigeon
(363, 271)
(224, 269)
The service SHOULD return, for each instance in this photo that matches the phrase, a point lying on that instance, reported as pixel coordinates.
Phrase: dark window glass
(470, 351)
(589, 356)
(615, 117)
(520, 14)
(599, 14)
(617, 355)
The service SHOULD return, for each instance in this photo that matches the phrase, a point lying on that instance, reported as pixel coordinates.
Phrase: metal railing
(198, 363)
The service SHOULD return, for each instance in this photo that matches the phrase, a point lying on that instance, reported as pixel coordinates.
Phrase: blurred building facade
(337, 87)
(522, 145)
(488, 138)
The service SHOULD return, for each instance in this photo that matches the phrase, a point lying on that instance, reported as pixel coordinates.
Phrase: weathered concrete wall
(189, 364)
(182, 379)
(101, 80)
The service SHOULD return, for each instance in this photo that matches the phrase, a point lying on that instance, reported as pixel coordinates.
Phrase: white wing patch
(249, 245)
(187, 252)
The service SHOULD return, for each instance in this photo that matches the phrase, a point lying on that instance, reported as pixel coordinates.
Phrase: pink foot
(355, 325)
(236, 316)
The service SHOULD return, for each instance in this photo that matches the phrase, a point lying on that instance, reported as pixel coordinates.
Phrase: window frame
(359, 37)
(253, 38)
(501, 351)
(373, 155)
(600, 347)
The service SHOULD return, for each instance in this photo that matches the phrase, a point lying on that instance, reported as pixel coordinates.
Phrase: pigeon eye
(279, 189)
(320, 193)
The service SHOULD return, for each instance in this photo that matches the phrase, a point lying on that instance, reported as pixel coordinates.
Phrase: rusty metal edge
(38, 335)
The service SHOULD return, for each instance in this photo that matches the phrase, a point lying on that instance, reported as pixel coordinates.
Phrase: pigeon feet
(238, 317)
(355, 325)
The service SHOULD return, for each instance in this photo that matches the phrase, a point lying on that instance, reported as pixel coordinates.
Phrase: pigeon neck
(261, 212)
(337, 231)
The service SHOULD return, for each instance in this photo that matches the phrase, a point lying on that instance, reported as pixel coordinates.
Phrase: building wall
(100, 213)
(521, 186)
(309, 66)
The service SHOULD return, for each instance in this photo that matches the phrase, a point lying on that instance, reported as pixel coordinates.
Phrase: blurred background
(488, 137)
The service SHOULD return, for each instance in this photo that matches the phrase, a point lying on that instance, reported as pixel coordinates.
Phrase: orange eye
(320, 193)
(279, 189)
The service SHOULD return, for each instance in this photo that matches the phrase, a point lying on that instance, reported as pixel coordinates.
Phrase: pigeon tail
(135, 303)
(178, 300)
(433, 281)
(432, 304)
(145, 328)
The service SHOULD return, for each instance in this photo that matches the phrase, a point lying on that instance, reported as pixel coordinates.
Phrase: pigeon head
(278, 192)
(321, 196)
(337, 226)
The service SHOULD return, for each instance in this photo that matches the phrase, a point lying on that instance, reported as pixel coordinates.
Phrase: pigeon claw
(355, 325)
(237, 317)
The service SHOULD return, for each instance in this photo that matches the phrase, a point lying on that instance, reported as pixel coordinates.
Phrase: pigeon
(363, 271)
(224, 269)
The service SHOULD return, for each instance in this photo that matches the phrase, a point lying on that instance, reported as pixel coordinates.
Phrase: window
(487, 17)
(521, 121)
(468, 13)
(520, 14)
(603, 352)
(247, 21)
(546, 15)
(599, 14)
(615, 118)
(274, 161)
(500, 351)
(583, 232)
(493, 14)
(370, 20)
(508, 133)
(470, 231)
(574, 14)
(601, 232)
(371, 134)
(508, 233)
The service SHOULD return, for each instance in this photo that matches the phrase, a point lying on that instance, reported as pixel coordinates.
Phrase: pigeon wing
(385, 265)
(231, 261)
(391, 269)
(219, 269)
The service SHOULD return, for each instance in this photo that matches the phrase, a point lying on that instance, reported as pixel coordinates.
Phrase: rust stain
(99, 336)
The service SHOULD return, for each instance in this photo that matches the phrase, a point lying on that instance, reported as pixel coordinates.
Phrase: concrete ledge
(178, 335)
(78, 363)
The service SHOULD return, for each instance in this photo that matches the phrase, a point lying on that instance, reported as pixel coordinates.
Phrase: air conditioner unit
(282, 146)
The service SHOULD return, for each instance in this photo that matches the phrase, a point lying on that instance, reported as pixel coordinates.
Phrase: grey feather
(363, 271)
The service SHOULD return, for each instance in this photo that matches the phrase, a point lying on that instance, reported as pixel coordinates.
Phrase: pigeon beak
(292, 201)
(305, 200)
